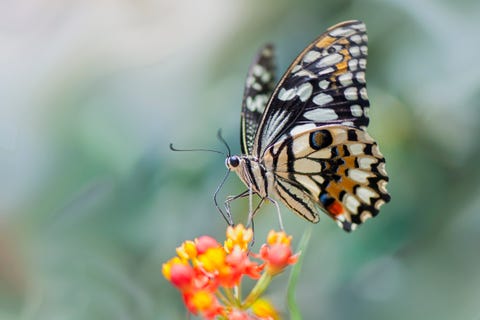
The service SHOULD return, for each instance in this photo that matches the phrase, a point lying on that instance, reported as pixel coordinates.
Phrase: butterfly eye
(233, 162)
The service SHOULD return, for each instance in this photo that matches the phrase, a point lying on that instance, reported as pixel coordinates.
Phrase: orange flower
(187, 250)
(204, 243)
(238, 236)
(277, 254)
(209, 275)
(203, 302)
(263, 309)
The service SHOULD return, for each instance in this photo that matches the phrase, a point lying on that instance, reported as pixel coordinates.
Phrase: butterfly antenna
(219, 136)
(200, 149)
(226, 215)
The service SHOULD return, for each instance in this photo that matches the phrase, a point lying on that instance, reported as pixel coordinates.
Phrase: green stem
(257, 291)
(230, 296)
(295, 313)
(222, 297)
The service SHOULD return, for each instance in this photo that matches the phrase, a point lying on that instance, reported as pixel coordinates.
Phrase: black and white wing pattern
(313, 133)
(324, 85)
(311, 148)
(258, 89)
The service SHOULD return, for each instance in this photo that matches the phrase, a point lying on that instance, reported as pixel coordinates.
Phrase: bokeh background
(92, 201)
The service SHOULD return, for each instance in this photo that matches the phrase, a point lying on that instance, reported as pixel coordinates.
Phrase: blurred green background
(92, 201)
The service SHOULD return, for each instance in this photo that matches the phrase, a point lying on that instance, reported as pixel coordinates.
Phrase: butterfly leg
(252, 214)
(227, 205)
(280, 221)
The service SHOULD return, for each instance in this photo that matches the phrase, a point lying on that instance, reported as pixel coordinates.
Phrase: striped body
(306, 144)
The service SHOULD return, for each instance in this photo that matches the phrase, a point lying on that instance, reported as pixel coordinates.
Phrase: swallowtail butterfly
(304, 141)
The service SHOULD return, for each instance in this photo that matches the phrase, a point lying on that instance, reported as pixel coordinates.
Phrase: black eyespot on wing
(320, 139)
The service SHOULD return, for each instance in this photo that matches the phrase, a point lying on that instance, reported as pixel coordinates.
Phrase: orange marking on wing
(335, 208)
(325, 42)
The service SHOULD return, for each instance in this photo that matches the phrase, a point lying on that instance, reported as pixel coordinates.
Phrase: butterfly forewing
(259, 86)
(324, 85)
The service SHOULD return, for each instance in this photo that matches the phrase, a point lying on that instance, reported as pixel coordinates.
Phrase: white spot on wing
(351, 93)
(366, 111)
(355, 51)
(311, 56)
(356, 110)
(351, 203)
(257, 103)
(345, 79)
(330, 60)
(250, 81)
(304, 91)
(362, 63)
(341, 32)
(360, 27)
(365, 215)
(266, 77)
(363, 93)
(382, 186)
(356, 149)
(296, 68)
(326, 71)
(360, 77)
(381, 168)
(366, 162)
(257, 86)
(321, 114)
(322, 99)
(258, 70)
(365, 194)
(358, 175)
(286, 95)
(324, 84)
(356, 38)
(353, 64)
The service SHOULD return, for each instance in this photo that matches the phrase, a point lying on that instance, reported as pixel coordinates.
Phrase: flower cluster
(209, 274)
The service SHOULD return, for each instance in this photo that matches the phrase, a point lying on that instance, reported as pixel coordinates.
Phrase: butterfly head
(233, 162)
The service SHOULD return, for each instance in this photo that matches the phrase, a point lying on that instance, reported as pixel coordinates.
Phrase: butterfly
(304, 141)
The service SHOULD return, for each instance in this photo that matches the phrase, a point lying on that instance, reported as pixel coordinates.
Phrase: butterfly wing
(258, 89)
(313, 137)
(324, 85)
(338, 168)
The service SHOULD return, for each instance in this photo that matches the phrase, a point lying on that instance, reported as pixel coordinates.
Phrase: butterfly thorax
(252, 173)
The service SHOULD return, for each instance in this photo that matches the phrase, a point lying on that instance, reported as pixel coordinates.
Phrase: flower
(209, 275)
(277, 253)
(263, 309)
(238, 236)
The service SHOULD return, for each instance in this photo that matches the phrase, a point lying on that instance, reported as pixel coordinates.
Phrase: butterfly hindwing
(324, 85)
(339, 168)
(259, 86)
